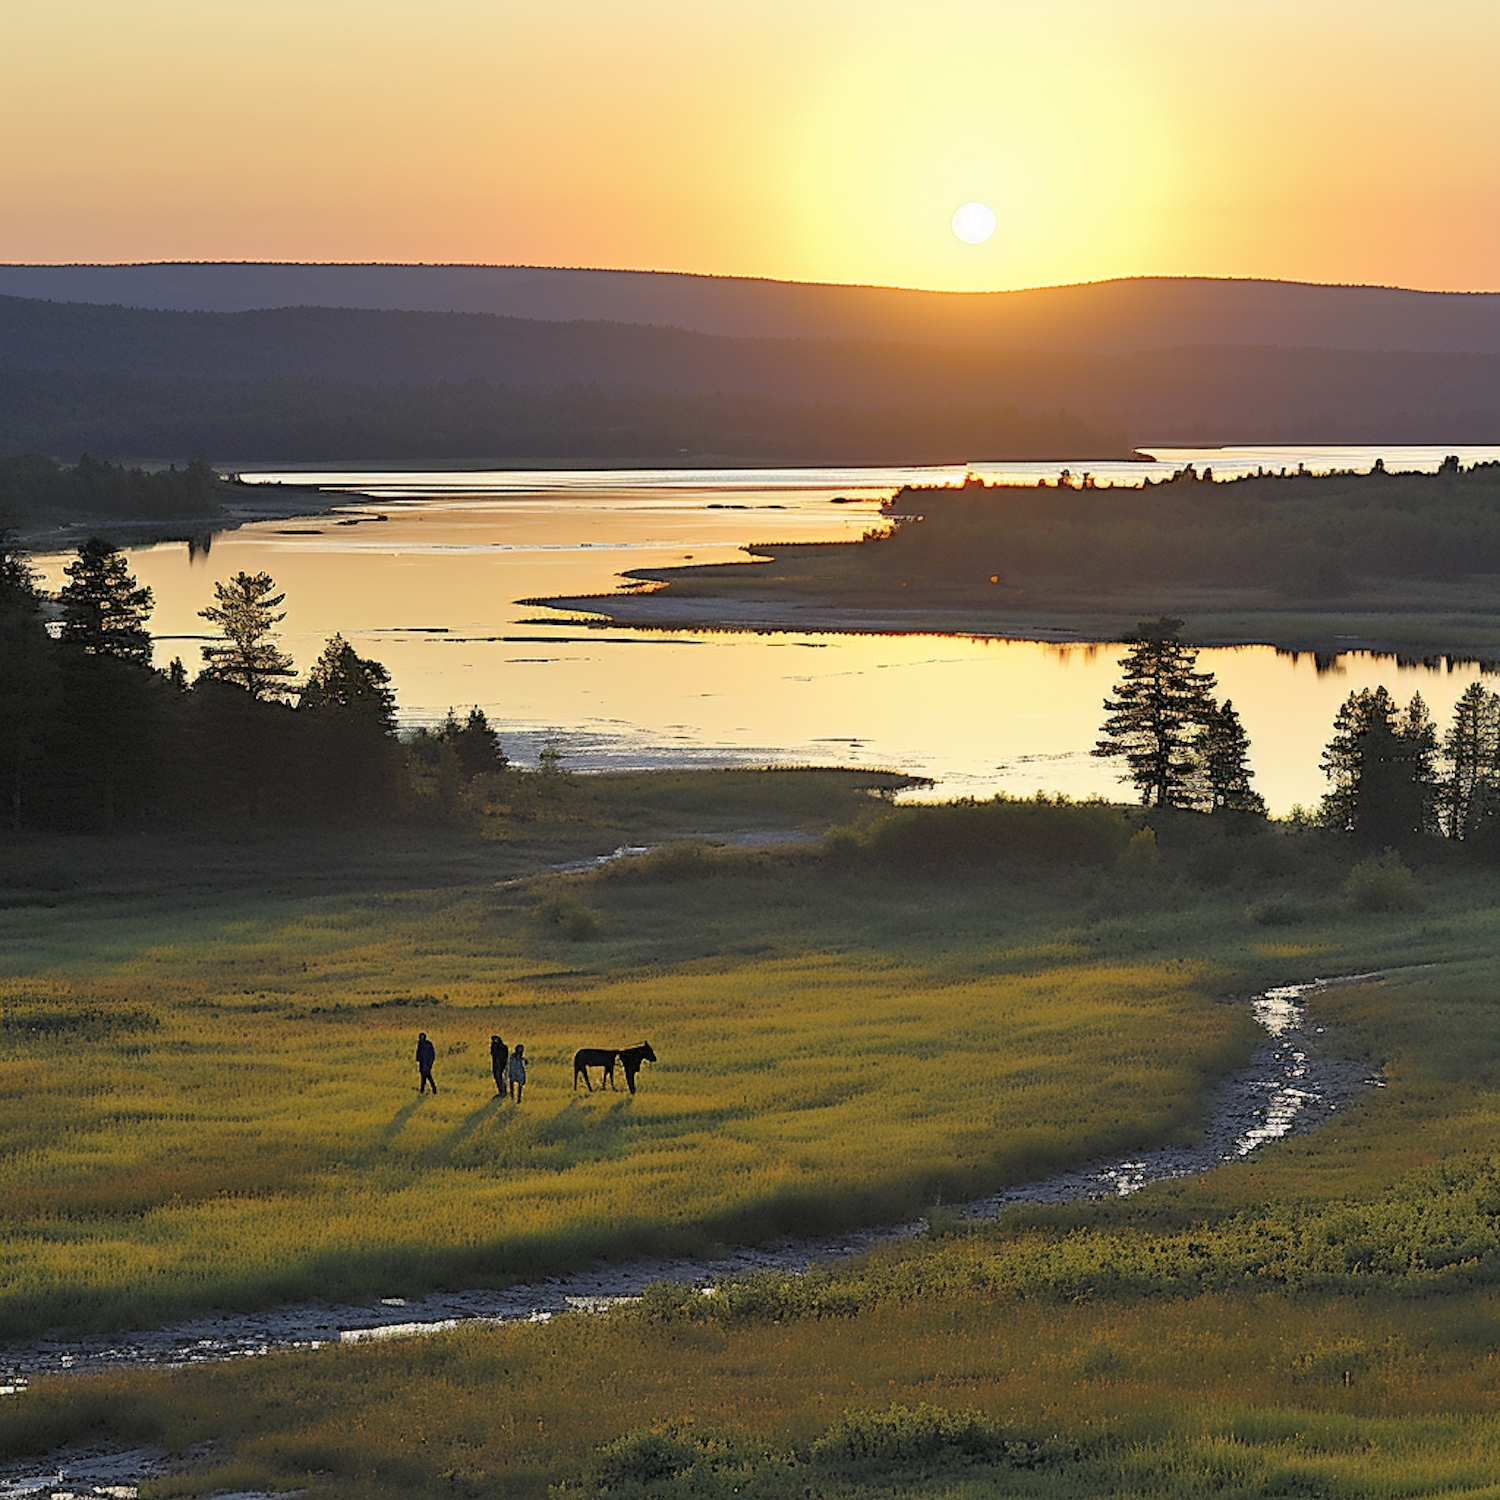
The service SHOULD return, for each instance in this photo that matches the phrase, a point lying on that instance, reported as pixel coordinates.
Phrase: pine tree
(27, 681)
(475, 743)
(1225, 749)
(1471, 752)
(104, 608)
(341, 680)
(1382, 763)
(245, 613)
(350, 710)
(1157, 717)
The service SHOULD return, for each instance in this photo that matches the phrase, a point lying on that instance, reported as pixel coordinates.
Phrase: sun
(974, 223)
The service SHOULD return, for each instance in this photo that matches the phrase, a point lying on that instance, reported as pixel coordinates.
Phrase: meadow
(199, 1119)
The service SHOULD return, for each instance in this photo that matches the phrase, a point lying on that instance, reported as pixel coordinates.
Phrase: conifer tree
(1471, 752)
(245, 613)
(1225, 748)
(475, 743)
(1157, 717)
(104, 608)
(1382, 763)
(343, 681)
(27, 685)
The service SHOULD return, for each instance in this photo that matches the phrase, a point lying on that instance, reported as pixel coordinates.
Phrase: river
(427, 580)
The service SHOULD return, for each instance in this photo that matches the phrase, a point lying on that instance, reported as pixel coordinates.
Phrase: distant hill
(1108, 317)
(1192, 394)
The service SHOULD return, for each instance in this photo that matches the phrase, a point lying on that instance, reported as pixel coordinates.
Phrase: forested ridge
(331, 421)
(1199, 393)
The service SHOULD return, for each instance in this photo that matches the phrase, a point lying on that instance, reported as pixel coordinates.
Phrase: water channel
(428, 578)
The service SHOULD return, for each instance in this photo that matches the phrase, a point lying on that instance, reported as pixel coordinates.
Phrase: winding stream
(1288, 1086)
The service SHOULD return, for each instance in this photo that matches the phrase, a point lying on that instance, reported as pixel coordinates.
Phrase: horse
(605, 1058)
(594, 1057)
(633, 1057)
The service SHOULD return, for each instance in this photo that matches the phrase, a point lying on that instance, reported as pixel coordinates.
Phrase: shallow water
(427, 581)
(1288, 1086)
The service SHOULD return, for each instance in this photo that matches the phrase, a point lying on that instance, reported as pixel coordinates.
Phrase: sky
(821, 140)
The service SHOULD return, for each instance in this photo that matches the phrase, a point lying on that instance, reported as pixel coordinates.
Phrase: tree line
(36, 488)
(94, 738)
(1306, 536)
(1394, 777)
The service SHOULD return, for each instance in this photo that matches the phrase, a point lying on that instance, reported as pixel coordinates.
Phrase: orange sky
(819, 140)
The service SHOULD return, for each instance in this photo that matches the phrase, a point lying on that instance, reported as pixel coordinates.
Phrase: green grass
(198, 1119)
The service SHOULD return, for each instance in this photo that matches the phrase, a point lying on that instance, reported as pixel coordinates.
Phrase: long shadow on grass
(443, 1149)
(402, 1115)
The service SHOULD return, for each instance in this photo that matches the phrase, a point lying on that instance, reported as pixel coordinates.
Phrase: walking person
(518, 1070)
(500, 1065)
(426, 1052)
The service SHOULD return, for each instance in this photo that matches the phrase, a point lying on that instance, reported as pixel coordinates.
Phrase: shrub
(644, 1458)
(907, 1436)
(1381, 883)
(1141, 855)
(569, 919)
(1040, 830)
(1277, 911)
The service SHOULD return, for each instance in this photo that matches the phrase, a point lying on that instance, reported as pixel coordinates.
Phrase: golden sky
(830, 140)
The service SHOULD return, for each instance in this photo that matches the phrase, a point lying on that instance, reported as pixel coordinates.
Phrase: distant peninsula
(1403, 563)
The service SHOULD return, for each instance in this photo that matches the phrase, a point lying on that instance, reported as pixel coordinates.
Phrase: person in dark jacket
(499, 1057)
(425, 1054)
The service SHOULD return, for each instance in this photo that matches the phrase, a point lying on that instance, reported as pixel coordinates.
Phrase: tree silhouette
(349, 708)
(1381, 761)
(475, 743)
(341, 680)
(245, 613)
(1471, 751)
(1225, 751)
(26, 681)
(104, 608)
(1157, 717)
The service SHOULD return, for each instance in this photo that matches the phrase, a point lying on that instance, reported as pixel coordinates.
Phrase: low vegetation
(842, 1037)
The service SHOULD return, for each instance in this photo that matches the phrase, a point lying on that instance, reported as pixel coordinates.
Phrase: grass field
(196, 1118)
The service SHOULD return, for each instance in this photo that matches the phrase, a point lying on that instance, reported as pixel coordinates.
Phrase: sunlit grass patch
(262, 1139)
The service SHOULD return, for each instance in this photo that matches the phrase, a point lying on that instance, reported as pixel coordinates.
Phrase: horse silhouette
(594, 1057)
(605, 1058)
(632, 1058)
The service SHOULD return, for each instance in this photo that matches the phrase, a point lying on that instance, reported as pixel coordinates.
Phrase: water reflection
(430, 583)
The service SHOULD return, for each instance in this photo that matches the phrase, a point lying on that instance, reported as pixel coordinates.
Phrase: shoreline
(246, 504)
(1456, 638)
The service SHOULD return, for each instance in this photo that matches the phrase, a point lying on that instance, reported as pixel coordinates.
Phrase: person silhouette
(518, 1070)
(499, 1065)
(426, 1052)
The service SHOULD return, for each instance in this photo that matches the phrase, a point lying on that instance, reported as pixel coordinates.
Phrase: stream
(1288, 1086)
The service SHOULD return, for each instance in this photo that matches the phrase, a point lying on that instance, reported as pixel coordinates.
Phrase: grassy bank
(1318, 1321)
(198, 1118)
(217, 1108)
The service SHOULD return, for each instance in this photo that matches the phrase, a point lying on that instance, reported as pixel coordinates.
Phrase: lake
(428, 581)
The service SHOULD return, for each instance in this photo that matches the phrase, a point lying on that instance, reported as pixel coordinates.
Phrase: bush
(569, 919)
(644, 1458)
(1141, 855)
(1277, 911)
(908, 1436)
(1041, 830)
(1381, 883)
